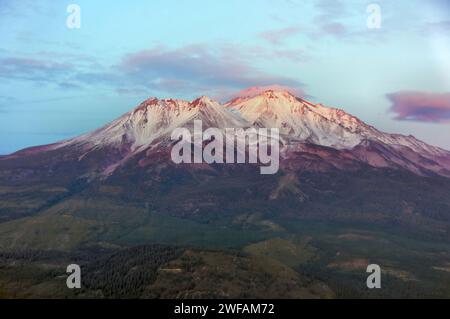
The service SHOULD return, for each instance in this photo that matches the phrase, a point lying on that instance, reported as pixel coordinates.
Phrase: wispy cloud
(187, 70)
(334, 28)
(421, 106)
(45, 67)
(190, 69)
(329, 10)
(278, 36)
(22, 9)
(333, 19)
(32, 69)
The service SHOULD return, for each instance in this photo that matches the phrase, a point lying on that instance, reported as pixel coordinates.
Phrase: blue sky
(57, 82)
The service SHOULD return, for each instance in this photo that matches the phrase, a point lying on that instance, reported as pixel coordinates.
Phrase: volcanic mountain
(313, 136)
(132, 156)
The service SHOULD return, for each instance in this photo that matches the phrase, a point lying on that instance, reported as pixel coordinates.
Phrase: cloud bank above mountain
(421, 106)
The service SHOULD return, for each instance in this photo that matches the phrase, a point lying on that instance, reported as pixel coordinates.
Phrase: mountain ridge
(300, 122)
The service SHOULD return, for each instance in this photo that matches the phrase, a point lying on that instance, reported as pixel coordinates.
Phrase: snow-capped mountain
(156, 118)
(303, 122)
(305, 128)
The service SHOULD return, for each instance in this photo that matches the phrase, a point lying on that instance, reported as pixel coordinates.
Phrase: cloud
(335, 28)
(190, 69)
(69, 86)
(254, 52)
(32, 69)
(23, 10)
(276, 37)
(328, 19)
(46, 67)
(330, 10)
(421, 106)
(291, 55)
(319, 30)
(188, 63)
(334, 18)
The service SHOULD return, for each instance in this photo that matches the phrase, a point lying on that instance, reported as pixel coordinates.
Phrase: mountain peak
(154, 102)
(275, 91)
(282, 96)
(203, 100)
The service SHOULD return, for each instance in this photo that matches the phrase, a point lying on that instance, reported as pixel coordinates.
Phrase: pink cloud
(334, 28)
(199, 67)
(421, 106)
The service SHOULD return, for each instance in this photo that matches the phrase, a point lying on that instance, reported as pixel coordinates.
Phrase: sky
(389, 67)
